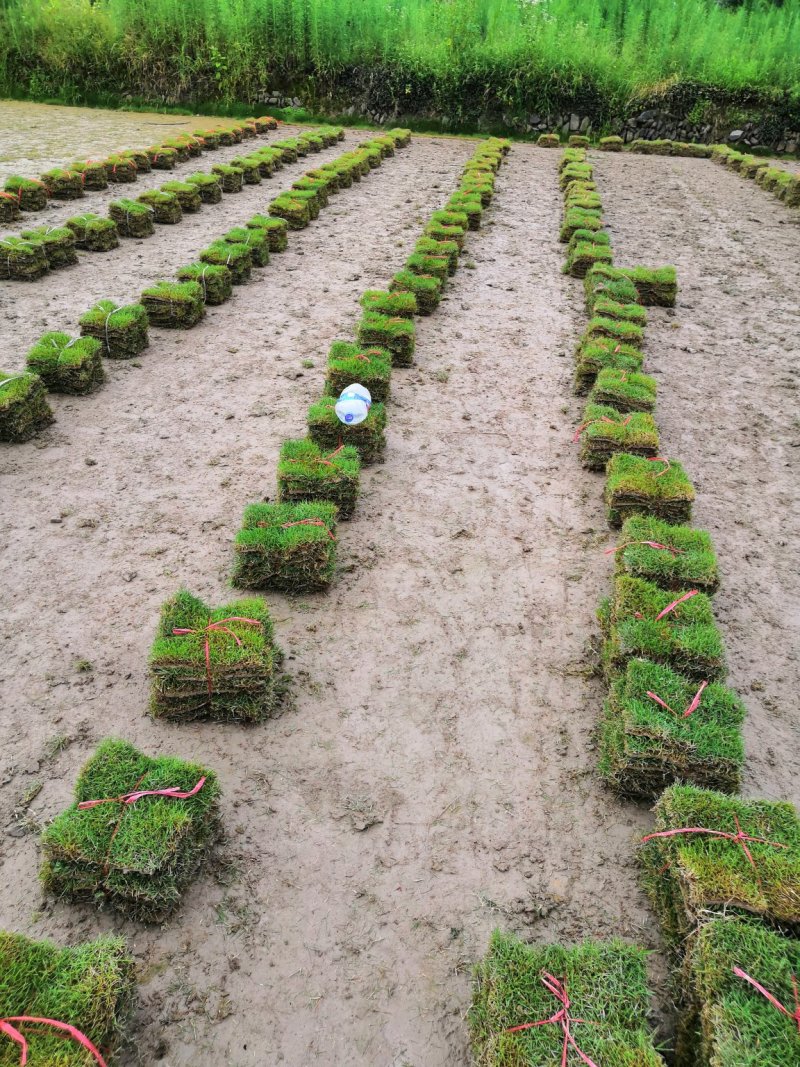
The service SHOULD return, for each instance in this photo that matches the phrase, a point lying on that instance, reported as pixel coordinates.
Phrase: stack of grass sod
(257, 240)
(675, 558)
(138, 855)
(62, 184)
(186, 193)
(277, 231)
(230, 178)
(784, 184)
(24, 410)
(122, 331)
(132, 218)
(22, 260)
(610, 144)
(290, 547)
(215, 282)
(140, 157)
(215, 663)
(368, 437)
(93, 233)
(636, 485)
(371, 366)
(548, 140)
(578, 140)
(174, 305)
(725, 1018)
(121, 170)
(527, 998)
(67, 364)
(207, 186)
(606, 430)
(306, 473)
(162, 158)
(9, 208)
(715, 856)
(94, 173)
(58, 243)
(238, 258)
(29, 193)
(165, 206)
(89, 987)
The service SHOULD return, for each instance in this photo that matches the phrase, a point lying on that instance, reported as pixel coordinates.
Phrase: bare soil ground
(434, 776)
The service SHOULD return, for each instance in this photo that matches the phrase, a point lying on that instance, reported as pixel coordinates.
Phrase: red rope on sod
(309, 522)
(660, 459)
(739, 837)
(562, 1017)
(674, 604)
(603, 418)
(131, 798)
(211, 628)
(650, 544)
(15, 1035)
(795, 1015)
(695, 704)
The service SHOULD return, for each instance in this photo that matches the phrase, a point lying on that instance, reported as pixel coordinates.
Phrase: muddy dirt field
(434, 776)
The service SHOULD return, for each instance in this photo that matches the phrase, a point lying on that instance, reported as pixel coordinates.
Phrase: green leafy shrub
(67, 364)
(24, 410)
(306, 473)
(328, 432)
(121, 330)
(291, 547)
(636, 486)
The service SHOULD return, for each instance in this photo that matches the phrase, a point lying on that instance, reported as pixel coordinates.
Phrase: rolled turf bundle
(22, 260)
(477, 188)
(369, 366)
(194, 144)
(132, 218)
(93, 173)
(690, 148)
(121, 330)
(659, 147)
(392, 332)
(140, 157)
(606, 307)
(295, 210)
(227, 137)
(624, 390)
(518, 1016)
(288, 150)
(269, 161)
(428, 246)
(207, 186)
(58, 243)
(591, 357)
(585, 254)
(209, 139)
(318, 186)
(660, 727)
(593, 237)
(673, 557)
(254, 239)
(577, 140)
(577, 218)
(581, 172)
(248, 130)
(325, 429)
(571, 155)
(63, 184)
(657, 487)
(548, 140)
(230, 178)
(656, 286)
(30, 193)
(291, 547)
(641, 620)
(9, 208)
(166, 207)
(250, 168)
(214, 281)
(792, 197)
(141, 856)
(426, 288)
(306, 473)
(692, 878)
(751, 165)
(469, 206)
(610, 144)
(609, 281)
(437, 266)
(277, 231)
(162, 158)
(725, 1017)
(402, 305)
(89, 987)
(372, 154)
(174, 305)
(619, 296)
(308, 196)
(606, 431)
(215, 663)
(121, 170)
(24, 410)
(265, 124)
(400, 136)
(179, 147)
(237, 258)
(386, 145)
(187, 193)
(619, 331)
(93, 233)
(67, 364)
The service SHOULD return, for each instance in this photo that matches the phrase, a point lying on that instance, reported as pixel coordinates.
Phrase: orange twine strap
(739, 837)
(562, 1017)
(15, 1034)
(660, 459)
(308, 522)
(212, 628)
(693, 706)
(794, 1015)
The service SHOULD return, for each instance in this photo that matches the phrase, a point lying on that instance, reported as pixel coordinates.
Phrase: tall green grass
(447, 55)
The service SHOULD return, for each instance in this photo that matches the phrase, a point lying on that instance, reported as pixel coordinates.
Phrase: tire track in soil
(728, 371)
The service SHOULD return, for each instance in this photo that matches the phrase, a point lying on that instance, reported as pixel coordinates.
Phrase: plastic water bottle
(353, 405)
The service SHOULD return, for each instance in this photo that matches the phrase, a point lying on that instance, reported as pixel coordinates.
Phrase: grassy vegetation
(637, 486)
(67, 364)
(306, 473)
(674, 557)
(291, 547)
(24, 410)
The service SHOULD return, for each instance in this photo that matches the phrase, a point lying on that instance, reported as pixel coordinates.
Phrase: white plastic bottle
(353, 405)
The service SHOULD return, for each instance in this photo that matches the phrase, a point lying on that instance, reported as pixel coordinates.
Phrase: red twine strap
(562, 1017)
(15, 1035)
(795, 1015)
(739, 837)
(695, 704)
(211, 628)
(309, 522)
(675, 603)
(131, 798)
(603, 418)
(660, 459)
(650, 544)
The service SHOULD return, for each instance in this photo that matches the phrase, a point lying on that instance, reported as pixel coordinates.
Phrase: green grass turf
(277, 231)
(174, 305)
(132, 218)
(231, 179)
(120, 169)
(624, 390)
(93, 233)
(571, 155)
(30, 193)
(24, 410)
(238, 258)
(437, 248)
(584, 255)
(435, 266)
(606, 983)
(402, 305)
(470, 206)
(162, 158)
(121, 330)
(636, 486)
(591, 357)
(608, 430)
(328, 432)
(291, 547)
(307, 473)
(581, 172)
(166, 207)
(691, 564)
(58, 243)
(619, 330)
(548, 140)
(425, 287)
(67, 364)
(610, 144)
(606, 307)
(656, 286)
(257, 240)
(294, 209)
(22, 260)
(187, 193)
(349, 363)
(215, 282)
(63, 184)
(392, 332)
(658, 147)
(577, 218)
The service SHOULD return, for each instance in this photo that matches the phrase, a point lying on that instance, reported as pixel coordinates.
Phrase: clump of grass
(579, 218)
(9, 208)
(215, 281)
(349, 363)
(238, 258)
(207, 186)
(230, 178)
(186, 193)
(624, 390)
(174, 305)
(438, 249)
(692, 878)
(569, 156)
(132, 219)
(63, 184)
(637, 486)
(578, 140)
(94, 174)
(93, 233)
(392, 332)
(610, 144)
(251, 237)
(138, 857)
(426, 288)
(121, 170)
(58, 243)
(605, 982)
(593, 356)
(166, 207)
(223, 668)
(121, 330)
(656, 286)
(291, 547)
(294, 209)
(162, 157)
(606, 431)
(89, 986)
(22, 260)
(400, 136)
(548, 140)
(673, 557)
(277, 231)
(67, 364)
(29, 193)
(24, 410)
(328, 432)
(394, 304)
(306, 473)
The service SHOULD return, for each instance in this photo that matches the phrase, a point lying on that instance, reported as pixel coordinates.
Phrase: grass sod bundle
(583, 255)
(215, 663)
(625, 391)
(656, 286)
(690, 148)
(430, 246)
(215, 281)
(425, 287)
(475, 188)
(604, 982)
(162, 158)
(349, 363)
(393, 332)
(571, 155)
(67, 364)
(581, 172)
(610, 144)
(290, 547)
(89, 987)
(676, 558)
(450, 217)
(238, 258)
(606, 431)
(63, 184)
(254, 239)
(208, 138)
(138, 857)
(180, 148)
(657, 487)
(317, 186)
(610, 281)
(24, 410)
(93, 233)
(58, 243)
(121, 170)
(132, 218)
(94, 174)
(606, 307)
(121, 330)
(9, 208)
(659, 147)
(306, 473)
(548, 140)
(174, 305)
(467, 205)
(592, 237)
(646, 746)
(694, 878)
(294, 209)
(368, 437)
(187, 193)
(30, 193)
(287, 149)
(576, 218)
(403, 305)
(277, 231)
(22, 260)
(230, 178)
(268, 162)
(250, 168)
(577, 140)
(641, 620)
(792, 197)
(592, 357)
(226, 138)
(437, 266)
(400, 136)
(620, 331)
(307, 196)
(140, 158)
(166, 207)
(725, 1021)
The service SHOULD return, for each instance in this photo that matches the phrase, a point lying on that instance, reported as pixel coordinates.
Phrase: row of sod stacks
(291, 545)
(783, 184)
